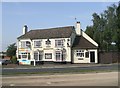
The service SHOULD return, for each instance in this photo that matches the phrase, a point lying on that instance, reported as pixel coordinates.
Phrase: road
(88, 79)
(59, 69)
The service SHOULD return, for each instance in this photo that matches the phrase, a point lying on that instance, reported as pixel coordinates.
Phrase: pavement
(88, 79)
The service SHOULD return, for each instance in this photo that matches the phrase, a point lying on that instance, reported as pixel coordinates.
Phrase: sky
(41, 15)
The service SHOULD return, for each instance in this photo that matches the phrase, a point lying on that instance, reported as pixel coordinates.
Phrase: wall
(46, 49)
(85, 60)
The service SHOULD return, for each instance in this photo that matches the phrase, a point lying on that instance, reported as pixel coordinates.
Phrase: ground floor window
(24, 56)
(80, 53)
(87, 54)
(48, 55)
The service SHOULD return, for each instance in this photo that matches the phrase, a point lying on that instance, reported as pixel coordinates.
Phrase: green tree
(118, 25)
(104, 28)
(11, 50)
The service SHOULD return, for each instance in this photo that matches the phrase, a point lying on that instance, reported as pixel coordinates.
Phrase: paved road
(88, 79)
(59, 69)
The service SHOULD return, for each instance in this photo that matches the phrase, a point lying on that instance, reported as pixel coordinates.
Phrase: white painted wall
(85, 60)
(51, 49)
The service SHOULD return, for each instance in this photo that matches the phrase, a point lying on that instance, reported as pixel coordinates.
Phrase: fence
(109, 57)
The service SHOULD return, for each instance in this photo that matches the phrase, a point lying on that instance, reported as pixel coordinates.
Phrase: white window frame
(59, 43)
(50, 54)
(80, 53)
(24, 44)
(21, 55)
(36, 45)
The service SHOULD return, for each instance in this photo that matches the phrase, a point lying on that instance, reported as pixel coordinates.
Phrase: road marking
(12, 84)
(48, 83)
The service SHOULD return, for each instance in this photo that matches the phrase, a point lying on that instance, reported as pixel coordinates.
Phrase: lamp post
(113, 44)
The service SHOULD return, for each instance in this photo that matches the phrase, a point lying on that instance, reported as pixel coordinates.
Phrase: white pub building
(68, 44)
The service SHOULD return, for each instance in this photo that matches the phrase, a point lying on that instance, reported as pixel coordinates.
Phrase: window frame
(87, 54)
(80, 53)
(25, 44)
(59, 43)
(50, 54)
(37, 45)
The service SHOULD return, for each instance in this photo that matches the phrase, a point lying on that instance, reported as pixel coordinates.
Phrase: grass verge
(57, 72)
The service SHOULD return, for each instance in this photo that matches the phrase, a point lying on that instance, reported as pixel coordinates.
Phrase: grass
(57, 72)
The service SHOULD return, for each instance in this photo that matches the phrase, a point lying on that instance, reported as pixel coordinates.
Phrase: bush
(14, 59)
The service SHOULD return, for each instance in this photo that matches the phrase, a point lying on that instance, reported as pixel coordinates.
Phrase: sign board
(24, 62)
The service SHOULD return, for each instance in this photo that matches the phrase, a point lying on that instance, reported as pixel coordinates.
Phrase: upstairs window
(25, 44)
(80, 53)
(59, 43)
(37, 44)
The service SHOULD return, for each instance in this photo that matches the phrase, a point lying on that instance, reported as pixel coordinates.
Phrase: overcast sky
(39, 15)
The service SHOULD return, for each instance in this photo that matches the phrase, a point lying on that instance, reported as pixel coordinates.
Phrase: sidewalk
(14, 66)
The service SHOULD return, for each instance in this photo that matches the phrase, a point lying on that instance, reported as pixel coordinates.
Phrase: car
(4, 62)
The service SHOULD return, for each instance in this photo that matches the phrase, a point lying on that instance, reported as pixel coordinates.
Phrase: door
(92, 56)
(38, 55)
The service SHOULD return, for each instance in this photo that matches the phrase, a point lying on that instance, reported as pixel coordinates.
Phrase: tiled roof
(59, 32)
(82, 43)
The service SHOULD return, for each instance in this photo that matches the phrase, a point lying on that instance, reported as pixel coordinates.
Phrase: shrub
(14, 59)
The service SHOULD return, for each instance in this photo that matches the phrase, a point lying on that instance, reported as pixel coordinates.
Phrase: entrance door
(92, 56)
(38, 55)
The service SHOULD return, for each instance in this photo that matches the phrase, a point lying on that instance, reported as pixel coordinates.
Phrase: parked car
(5, 62)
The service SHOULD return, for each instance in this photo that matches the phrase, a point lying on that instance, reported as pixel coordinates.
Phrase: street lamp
(113, 44)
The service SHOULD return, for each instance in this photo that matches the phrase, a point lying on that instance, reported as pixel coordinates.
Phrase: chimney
(78, 30)
(25, 28)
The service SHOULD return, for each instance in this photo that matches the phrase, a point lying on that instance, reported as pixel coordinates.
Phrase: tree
(104, 28)
(11, 50)
(90, 31)
(118, 25)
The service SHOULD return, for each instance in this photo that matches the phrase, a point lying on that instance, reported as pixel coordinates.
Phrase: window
(23, 44)
(59, 43)
(80, 53)
(48, 55)
(37, 44)
(87, 54)
(24, 55)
